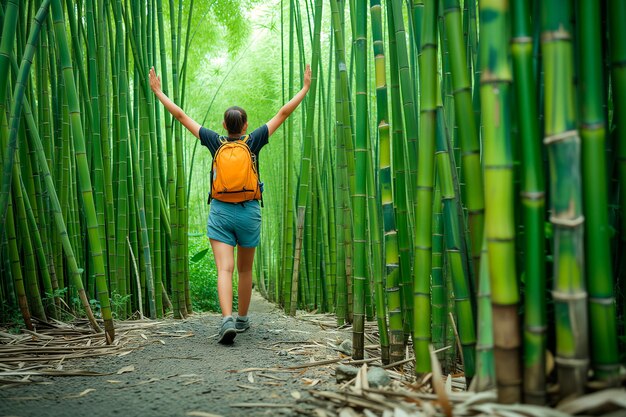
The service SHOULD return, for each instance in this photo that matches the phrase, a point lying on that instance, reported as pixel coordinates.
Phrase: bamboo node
(533, 195)
(567, 296)
(557, 35)
(602, 301)
(571, 362)
(536, 329)
(575, 222)
(522, 39)
(561, 136)
(470, 152)
(592, 126)
(461, 90)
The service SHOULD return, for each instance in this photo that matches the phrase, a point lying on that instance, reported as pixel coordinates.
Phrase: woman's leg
(225, 262)
(245, 257)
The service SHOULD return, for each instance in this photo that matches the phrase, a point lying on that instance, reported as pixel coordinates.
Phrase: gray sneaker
(227, 331)
(242, 324)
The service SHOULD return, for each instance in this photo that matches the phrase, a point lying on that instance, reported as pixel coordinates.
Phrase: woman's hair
(235, 117)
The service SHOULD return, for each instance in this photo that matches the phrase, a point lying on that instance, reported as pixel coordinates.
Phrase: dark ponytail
(235, 118)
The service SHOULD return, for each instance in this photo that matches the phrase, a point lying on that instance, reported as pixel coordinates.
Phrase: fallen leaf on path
(296, 395)
(193, 381)
(248, 387)
(438, 383)
(202, 414)
(587, 403)
(251, 378)
(144, 336)
(311, 382)
(129, 368)
(82, 394)
(34, 398)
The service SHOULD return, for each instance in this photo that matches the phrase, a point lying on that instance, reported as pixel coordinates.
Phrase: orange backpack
(234, 172)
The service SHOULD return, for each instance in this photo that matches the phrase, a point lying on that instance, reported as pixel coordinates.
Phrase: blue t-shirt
(258, 138)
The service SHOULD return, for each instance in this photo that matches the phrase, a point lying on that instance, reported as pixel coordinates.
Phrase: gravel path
(191, 376)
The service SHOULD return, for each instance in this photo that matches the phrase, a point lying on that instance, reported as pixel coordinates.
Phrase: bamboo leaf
(200, 255)
(202, 414)
(81, 394)
(593, 401)
(129, 368)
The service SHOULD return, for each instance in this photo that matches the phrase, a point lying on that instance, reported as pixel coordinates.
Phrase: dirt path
(190, 375)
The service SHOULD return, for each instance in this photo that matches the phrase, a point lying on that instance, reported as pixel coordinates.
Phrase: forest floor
(177, 368)
(281, 366)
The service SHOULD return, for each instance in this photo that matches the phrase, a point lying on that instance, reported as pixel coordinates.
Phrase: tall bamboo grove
(505, 71)
(460, 167)
(84, 205)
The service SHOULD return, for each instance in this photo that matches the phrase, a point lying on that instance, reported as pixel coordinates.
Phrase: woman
(230, 224)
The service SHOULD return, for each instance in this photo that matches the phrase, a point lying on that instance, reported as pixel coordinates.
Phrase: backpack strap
(222, 140)
(256, 163)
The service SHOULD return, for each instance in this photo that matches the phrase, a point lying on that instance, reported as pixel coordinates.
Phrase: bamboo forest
(450, 187)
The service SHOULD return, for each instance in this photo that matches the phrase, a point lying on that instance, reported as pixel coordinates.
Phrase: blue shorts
(235, 223)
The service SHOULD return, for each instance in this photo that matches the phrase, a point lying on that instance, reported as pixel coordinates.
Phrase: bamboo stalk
(429, 86)
(598, 269)
(500, 225)
(533, 201)
(563, 145)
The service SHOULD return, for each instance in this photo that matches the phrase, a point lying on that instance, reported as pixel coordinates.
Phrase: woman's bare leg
(225, 262)
(245, 258)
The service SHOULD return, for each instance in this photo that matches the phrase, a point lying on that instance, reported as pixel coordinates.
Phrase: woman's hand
(155, 81)
(307, 76)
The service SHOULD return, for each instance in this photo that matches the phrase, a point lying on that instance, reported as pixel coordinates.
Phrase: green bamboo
(360, 199)
(617, 14)
(598, 268)
(96, 146)
(533, 202)
(289, 206)
(176, 181)
(467, 130)
(122, 213)
(409, 105)
(74, 271)
(48, 301)
(16, 106)
(386, 198)
(16, 268)
(103, 101)
(452, 242)
(401, 200)
(438, 289)
(485, 361)
(417, 10)
(83, 170)
(12, 174)
(425, 171)
(563, 145)
(303, 185)
(495, 89)
(345, 172)
(407, 85)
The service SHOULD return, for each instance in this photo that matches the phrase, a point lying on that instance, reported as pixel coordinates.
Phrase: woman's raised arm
(288, 108)
(177, 112)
